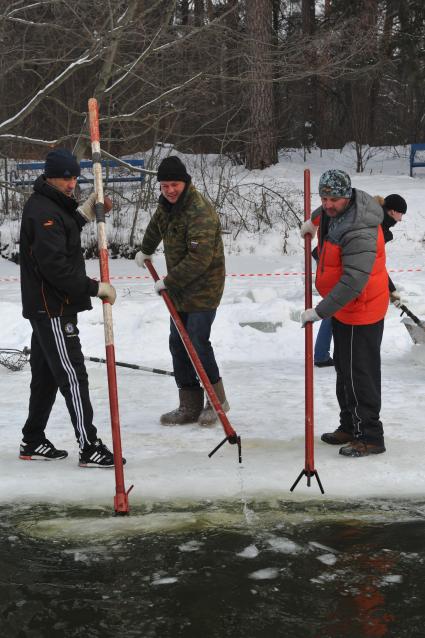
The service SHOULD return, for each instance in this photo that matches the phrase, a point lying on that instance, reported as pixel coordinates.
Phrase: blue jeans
(323, 341)
(198, 326)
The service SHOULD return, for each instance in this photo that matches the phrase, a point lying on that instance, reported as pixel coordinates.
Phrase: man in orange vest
(352, 279)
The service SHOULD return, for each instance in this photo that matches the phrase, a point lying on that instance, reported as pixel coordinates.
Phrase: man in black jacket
(54, 288)
(394, 207)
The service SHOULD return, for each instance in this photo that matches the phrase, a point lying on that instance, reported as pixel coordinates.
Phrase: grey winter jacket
(351, 274)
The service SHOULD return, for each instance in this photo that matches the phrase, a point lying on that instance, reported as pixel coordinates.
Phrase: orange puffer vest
(351, 275)
(372, 303)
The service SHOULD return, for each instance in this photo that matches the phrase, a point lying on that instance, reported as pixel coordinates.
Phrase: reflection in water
(289, 570)
(370, 600)
(363, 611)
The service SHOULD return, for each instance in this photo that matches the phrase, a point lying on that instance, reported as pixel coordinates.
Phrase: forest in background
(241, 78)
(240, 81)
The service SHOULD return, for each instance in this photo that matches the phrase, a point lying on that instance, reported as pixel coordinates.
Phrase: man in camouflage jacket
(189, 228)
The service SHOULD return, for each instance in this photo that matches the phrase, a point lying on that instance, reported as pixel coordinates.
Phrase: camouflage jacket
(193, 250)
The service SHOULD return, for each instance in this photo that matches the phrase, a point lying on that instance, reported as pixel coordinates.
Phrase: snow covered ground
(263, 375)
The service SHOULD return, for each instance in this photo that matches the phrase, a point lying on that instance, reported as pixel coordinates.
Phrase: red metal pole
(309, 469)
(121, 495)
(231, 435)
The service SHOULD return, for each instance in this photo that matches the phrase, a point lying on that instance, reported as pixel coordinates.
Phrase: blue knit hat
(335, 183)
(61, 163)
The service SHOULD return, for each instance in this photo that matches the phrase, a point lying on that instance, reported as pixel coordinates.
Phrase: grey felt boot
(208, 415)
(191, 403)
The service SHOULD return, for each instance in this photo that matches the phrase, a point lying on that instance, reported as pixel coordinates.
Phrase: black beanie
(172, 169)
(61, 163)
(395, 202)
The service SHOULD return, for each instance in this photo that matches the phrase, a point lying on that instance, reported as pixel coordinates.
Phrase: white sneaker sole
(34, 457)
(100, 467)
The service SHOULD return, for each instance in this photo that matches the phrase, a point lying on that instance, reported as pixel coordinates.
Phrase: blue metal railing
(414, 148)
(31, 167)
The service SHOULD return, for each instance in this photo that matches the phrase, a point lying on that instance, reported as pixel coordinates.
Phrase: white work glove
(159, 285)
(87, 209)
(396, 299)
(309, 316)
(308, 227)
(140, 259)
(107, 291)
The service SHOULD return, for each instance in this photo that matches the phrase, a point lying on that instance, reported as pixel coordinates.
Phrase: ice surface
(263, 373)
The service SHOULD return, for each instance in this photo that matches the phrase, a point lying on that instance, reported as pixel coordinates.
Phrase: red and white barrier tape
(229, 274)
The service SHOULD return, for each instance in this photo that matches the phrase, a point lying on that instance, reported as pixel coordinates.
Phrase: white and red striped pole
(121, 495)
(309, 405)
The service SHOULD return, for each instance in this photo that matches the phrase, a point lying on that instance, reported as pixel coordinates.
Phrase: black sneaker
(44, 451)
(97, 455)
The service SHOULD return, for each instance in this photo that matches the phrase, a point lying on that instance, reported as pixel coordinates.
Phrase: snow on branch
(133, 169)
(26, 7)
(129, 116)
(30, 23)
(139, 59)
(30, 140)
(196, 31)
(42, 93)
(10, 15)
(130, 68)
(122, 16)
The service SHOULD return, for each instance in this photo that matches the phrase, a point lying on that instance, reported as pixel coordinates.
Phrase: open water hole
(316, 569)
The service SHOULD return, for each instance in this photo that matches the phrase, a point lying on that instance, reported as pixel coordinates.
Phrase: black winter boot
(191, 403)
(339, 437)
(362, 448)
(208, 415)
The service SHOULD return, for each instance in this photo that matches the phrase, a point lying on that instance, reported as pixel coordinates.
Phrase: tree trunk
(310, 85)
(261, 148)
(199, 12)
(184, 12)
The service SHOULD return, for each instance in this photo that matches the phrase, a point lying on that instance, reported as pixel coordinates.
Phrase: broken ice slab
(263, 326)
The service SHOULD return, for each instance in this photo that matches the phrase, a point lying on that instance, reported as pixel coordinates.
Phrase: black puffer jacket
(53, 273)
(387, 223)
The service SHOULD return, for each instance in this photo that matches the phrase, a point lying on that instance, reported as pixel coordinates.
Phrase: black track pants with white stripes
(357, 358)
(58, 362)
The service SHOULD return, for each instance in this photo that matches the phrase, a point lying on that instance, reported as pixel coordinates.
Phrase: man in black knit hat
(394, 207)
(55, 288)
(190, 229)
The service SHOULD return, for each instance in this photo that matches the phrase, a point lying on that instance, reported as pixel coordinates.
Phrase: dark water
(259, 570)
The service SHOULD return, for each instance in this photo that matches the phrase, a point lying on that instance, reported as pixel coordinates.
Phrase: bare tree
(240, 77)
(261, 149)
